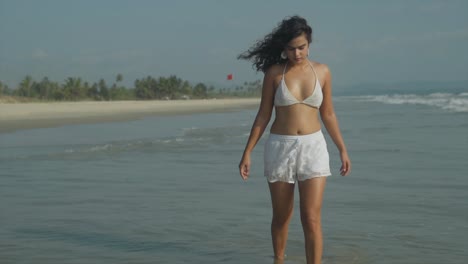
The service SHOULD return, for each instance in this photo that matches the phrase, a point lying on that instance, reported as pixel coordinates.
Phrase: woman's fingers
(342, 170)
(244, 170)
(244, 167)
(345, 168)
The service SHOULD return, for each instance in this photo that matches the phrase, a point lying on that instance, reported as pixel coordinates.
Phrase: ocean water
(167, 189)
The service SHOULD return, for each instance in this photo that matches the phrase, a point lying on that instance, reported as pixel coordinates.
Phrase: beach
(165, 188)
(16, 116)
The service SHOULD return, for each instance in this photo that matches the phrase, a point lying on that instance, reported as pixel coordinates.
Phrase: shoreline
(20, 116)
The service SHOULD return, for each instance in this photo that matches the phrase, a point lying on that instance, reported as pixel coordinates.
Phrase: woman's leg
(282, 199)
(311, 196)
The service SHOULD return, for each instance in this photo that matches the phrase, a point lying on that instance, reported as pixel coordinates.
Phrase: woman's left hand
(345, 164)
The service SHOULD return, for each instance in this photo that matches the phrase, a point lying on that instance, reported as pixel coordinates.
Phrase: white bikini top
(283, 96)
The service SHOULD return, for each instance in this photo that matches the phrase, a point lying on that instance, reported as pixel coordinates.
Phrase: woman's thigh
(311, 194)
(282, 198)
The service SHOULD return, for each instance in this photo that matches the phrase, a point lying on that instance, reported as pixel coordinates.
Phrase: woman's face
(297, 49)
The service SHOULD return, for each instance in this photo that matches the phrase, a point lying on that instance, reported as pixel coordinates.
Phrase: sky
(361, 41)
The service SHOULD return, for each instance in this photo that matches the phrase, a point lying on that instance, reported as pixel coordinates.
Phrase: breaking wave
(446, 101)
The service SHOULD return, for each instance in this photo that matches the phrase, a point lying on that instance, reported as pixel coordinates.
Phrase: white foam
(190, 128)
(446, 101)
(457, 105)
(440, 95)
(99, 148)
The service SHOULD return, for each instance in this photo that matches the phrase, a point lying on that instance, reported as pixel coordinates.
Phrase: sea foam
(446, 101)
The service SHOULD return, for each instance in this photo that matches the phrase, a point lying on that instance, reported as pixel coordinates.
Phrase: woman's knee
(281, 218)
(311, 221)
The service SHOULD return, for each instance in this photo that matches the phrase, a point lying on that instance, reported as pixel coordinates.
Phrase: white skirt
(291, 158)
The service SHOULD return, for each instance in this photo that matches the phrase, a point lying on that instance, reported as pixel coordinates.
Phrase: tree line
(148, 88)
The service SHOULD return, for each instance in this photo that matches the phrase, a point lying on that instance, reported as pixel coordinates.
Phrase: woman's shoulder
(323, 72)
(321, 68)
(274, 70)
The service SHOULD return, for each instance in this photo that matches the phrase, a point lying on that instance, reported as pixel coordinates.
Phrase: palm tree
(25, 86)
(119, 78)
(43, 88)
(73, 88)
(200, 90)
(103, 90)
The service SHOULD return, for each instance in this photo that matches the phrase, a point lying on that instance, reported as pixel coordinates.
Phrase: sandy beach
(16, 116)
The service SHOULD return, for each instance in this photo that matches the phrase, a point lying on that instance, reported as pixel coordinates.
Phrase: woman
(299, 89)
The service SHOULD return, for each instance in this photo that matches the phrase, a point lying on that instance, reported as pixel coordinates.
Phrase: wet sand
(17, 116)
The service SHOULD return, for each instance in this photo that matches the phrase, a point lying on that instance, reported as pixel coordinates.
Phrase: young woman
(299, 89)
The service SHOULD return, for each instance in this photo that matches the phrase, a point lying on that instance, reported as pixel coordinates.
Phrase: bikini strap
(310, 63)
(316, 76)
(284, 69)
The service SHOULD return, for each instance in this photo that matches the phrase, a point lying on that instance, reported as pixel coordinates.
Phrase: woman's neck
(299, 65)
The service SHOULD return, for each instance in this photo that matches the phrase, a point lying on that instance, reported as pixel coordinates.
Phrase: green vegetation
(149, 88)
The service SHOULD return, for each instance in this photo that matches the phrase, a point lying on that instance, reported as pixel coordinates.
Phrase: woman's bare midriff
(297, 119)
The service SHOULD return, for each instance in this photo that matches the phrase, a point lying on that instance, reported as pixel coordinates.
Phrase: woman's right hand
(244, 167)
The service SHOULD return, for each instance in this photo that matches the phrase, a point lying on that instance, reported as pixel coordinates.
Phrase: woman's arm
(261, 121)
(327, 113)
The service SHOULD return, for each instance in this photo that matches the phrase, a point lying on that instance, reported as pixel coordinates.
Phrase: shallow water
(167, 190)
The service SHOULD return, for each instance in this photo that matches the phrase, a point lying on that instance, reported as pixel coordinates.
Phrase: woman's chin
(299, 60)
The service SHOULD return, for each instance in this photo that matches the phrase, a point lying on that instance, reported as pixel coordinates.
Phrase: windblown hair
(267, 51)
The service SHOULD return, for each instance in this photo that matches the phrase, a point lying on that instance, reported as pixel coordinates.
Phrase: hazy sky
(198, 40)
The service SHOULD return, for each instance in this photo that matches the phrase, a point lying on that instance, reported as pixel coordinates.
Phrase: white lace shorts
(289, 158)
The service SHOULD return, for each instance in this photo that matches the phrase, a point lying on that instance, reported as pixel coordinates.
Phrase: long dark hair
(267, 51)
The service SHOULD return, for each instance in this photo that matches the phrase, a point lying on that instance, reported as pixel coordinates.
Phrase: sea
(166, 189)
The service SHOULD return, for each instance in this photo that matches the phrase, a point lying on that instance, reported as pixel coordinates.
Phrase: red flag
(229, 77)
